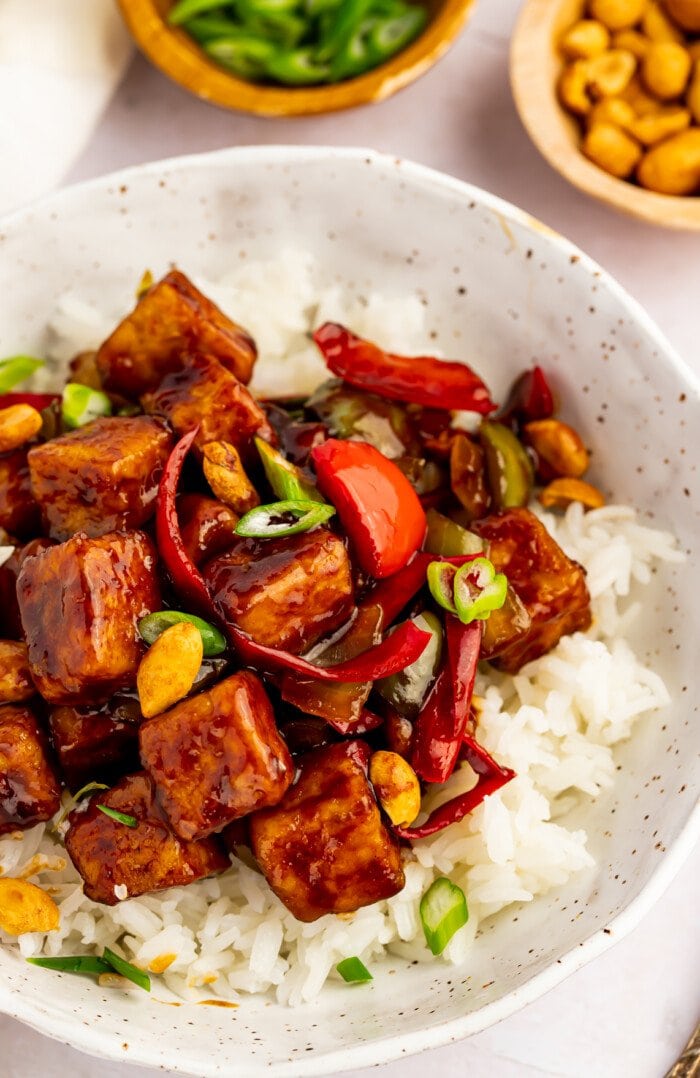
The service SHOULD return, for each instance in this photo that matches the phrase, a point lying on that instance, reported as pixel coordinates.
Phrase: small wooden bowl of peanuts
(609, 92)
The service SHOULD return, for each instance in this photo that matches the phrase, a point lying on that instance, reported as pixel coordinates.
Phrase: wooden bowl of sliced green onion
(294, 57)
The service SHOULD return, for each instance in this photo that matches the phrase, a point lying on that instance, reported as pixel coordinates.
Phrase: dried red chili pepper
(529, 398)
(377, 506)
(434, 383)
(440, 727)
(460, 806)
(35, 400)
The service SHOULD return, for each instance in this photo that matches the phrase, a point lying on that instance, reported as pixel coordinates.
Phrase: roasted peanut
(612, 110)
(562, 492)
(617, 14)
(585, 39)
(227, 478)
(15, 679)
(686, 13)
(396, 785)
(692, 98)
(612, 150)
(558, 446)
(24, 907)
(636, 95)
(659, 125)
(632, 41)
(18, 424)
(609, 74)
(666, 69)
(169, 667)
(657, 25)
(672, 167)
(573, 87)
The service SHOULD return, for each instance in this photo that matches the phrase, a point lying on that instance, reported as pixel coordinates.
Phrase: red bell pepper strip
(377, 506)
(529, 398)
(443, 719)
(396, 652)
(186, 578)
(434, 383)
(460, 806)
(36, 400)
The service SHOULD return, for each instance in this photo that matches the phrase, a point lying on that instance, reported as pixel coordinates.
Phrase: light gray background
(628, 1014)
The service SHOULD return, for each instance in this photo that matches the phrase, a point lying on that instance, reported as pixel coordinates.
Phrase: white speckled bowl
(500, 290)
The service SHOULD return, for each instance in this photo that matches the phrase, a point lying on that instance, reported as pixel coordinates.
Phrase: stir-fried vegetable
(286, 479)
(509, 468)
(81, 405)
(119, 817)
(153, 625)
(446, 537)
(443, 911)
(478, 590)
(407, 689)
(283, 518)
(16, 369)
(441, 581)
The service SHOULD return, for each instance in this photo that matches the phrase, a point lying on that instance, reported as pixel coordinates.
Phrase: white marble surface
(628, 1014)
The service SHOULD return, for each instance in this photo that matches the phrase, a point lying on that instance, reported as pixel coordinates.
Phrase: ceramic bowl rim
(400, 1045)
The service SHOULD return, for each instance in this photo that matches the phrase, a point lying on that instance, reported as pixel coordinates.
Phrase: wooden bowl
(181, 58)
(535, 64)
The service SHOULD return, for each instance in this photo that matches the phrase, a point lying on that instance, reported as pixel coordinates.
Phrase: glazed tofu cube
(324, 848)
(111, 856)
(286, 593)
(172, 319)
(216, 757)
(100, 478)
(95, 744)
(15, 678)
(29, 789)
(550, 585)
(205, 393)
(10, 621)
(19, 512)
(80, 603)
(207, 526)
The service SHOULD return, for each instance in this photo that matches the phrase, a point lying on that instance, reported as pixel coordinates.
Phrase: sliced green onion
(154, 625)
(187, 9)
(352, 59)
(77, 963)
(132, 973)
(297, 67)
(244, 53)
(81, 405)
(347, 18)
(15, 369)
(392, 34)
(283, 518)
(478, 590)
(441, 575)
(354, 971)
(120, 817)
(89, 788)
(285, 478)
(443, 911)
(210, 27)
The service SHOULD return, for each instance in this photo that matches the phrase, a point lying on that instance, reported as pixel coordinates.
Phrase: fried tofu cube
(29, 789)
(102, 477)
(204, 393)
(207, 526)
(16, 682)
(19, 512)
(111, 856)
(170, 320)
(94, 744)
(80, 603)
(10, 621)
(324, 848)
(287, 592)
(216, 757)
(550, 585)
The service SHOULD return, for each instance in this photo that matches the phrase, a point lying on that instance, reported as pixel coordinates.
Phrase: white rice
(555, 723)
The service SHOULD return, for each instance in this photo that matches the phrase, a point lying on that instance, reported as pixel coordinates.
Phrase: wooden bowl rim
(181, 59)
(548, 125)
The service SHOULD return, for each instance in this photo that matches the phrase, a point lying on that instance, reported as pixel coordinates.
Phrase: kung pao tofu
(258, 623)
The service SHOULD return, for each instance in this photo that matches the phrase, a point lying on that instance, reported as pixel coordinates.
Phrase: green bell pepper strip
(81, 404)
(283, 518)
(297, 67)
(126, 969)
(407, 689)
(354, 971)
(446, 537)
(509, 468)
(77, 963)
(285, 478)
(443, 911)
(15, 369)
(153, 625)
(188, 9)
(244, 54)
(441, 575)
(394, 33)
(478, 590)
